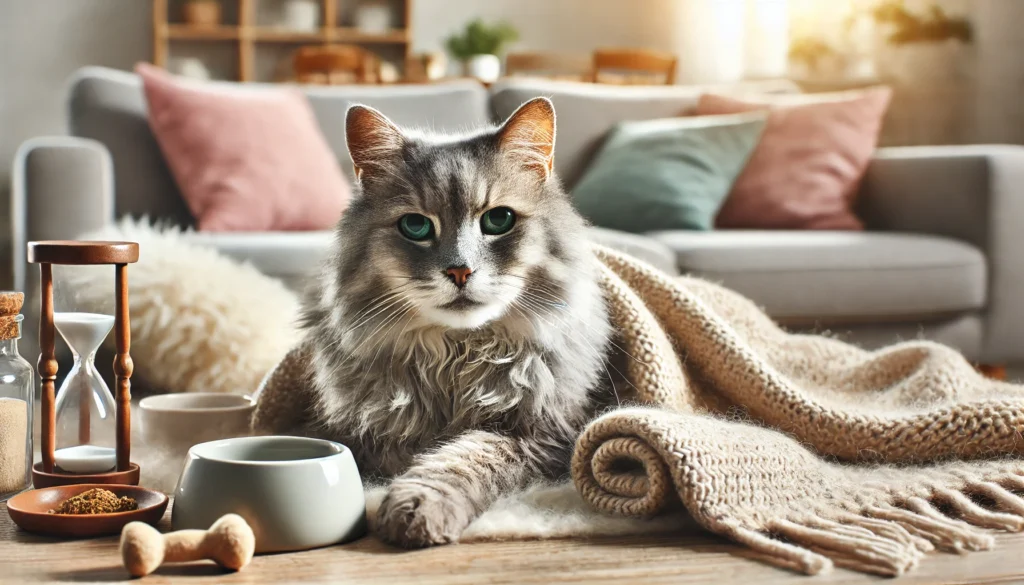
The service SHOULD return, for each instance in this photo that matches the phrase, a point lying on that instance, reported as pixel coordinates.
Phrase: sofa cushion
(668, 174)
(107, 105)
(295, 257)
(245, 160)
(838, 277)
(805, 172)
(587, 111)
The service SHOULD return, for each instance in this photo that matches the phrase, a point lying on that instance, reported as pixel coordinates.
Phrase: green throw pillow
(671, 174)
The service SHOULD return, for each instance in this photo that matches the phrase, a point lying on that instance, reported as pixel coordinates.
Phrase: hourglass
(86, 433)
(85, 411)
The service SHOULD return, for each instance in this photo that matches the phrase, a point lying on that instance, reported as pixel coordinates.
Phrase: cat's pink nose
(458, 275)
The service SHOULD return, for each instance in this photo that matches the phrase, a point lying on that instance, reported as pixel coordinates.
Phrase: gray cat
(459, 333)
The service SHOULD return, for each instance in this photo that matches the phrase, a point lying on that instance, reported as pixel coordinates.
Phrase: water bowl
(296, 493)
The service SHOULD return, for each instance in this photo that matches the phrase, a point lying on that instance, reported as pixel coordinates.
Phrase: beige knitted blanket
(812, 452)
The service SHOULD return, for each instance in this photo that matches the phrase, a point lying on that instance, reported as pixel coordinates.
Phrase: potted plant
(202, 12)
(811, 57)
(478, 48)
(907, 27)
(919, 45)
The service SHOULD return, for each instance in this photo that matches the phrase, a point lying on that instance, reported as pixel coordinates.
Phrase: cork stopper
(10, 319)
(10, 303)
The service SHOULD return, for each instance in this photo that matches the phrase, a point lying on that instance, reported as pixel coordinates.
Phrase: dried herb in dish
(96, 501)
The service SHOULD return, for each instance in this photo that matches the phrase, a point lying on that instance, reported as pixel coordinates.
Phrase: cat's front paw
(414, 515)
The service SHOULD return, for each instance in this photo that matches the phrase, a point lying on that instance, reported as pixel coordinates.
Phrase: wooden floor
(689, 558)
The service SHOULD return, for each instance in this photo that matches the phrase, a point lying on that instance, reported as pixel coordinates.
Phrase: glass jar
(17, 397)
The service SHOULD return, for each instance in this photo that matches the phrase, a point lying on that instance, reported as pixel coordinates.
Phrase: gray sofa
(942, 257)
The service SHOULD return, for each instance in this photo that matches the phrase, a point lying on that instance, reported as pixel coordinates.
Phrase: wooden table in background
(689, 558)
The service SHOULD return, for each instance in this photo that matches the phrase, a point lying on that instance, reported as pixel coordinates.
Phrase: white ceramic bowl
(296, 493)
(178, 421)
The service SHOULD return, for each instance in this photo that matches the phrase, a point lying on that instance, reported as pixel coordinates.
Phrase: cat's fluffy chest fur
(532, 375)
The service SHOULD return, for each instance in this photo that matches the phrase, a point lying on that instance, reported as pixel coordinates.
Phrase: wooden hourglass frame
(119, 254)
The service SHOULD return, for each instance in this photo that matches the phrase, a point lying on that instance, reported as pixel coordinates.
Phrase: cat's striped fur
(460, 394)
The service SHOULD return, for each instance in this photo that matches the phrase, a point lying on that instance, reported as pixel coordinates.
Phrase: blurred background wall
(42, 42)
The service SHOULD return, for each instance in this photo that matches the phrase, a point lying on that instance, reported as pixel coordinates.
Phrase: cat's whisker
(375, 301)
(588, 274)
(399, 336)
(534, 310)
(554, 302)
(407, 310)
(384, 322)
(513, 305)
(369, 337)
(537, 287)
(606, 362)
(374, 304)
(396, 298)
(562, 306)
(401, 309)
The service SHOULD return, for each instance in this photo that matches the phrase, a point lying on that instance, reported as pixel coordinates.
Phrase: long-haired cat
(459, 332)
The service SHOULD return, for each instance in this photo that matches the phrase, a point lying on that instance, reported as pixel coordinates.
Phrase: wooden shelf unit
(248, 35)
(194, 33)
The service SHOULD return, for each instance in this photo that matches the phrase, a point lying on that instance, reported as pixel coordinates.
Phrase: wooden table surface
(678, 559)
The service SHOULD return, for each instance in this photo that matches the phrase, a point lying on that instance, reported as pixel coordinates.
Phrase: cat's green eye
(497, 221)
(416, 227)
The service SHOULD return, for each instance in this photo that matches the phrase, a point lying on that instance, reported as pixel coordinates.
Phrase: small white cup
(178, 421)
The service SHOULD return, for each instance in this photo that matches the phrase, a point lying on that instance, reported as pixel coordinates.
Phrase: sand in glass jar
(85, 409)
(17, 393)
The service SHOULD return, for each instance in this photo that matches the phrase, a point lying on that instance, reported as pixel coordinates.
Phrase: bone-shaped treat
(229, 542)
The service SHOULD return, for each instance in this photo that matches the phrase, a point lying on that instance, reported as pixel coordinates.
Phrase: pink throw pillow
(805, 172)
(245, 159)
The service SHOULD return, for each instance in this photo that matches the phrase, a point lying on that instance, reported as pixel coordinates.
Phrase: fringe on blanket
(888, 539)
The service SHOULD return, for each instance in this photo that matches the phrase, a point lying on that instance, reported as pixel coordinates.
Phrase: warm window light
(709, 40)
(729, 40)
(767, 38)
(809, 17)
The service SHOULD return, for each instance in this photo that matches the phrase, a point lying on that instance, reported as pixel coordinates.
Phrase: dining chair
(335, 64)
(425, 68)
(565, 66)
(634, 66)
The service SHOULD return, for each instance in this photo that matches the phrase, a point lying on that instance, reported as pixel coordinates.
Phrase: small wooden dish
(30, 511)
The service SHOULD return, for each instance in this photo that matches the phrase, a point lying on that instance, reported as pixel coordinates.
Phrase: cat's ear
(373, 140)
(529, 135)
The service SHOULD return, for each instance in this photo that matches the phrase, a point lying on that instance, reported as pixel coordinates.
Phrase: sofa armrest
(62, 187)
(973, 194)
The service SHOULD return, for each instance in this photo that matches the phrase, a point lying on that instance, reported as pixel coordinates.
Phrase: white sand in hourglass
(84, 332)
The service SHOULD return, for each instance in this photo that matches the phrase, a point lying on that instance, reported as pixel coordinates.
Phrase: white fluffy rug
(202, 322)
(550, 510)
